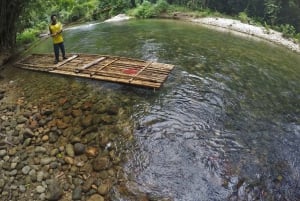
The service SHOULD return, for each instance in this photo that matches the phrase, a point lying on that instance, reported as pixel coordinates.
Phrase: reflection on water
(225, 126)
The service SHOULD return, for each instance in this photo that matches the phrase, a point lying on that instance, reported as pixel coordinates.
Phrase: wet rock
(47, 112)
(87, 184)
(40, 176)
(55, 191)
(21, 119)
(53, 137)
(27, 133)
(47, 160)
(112, 110)
(33, 124)
(79, 148)
(69, 160)
(40, 189)
(105, 187)
(95, 197)
(92, 151)
(70, 150)
(86, 121)
(40, 149)
(76, 113)
(2, 153)
(26, 169)
(76, 194)
(61, 124)
(45, 138)
(101, 163)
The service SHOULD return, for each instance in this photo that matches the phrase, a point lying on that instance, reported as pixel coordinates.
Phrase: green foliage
(297, 37)
(243, 17)
(161, 6)
(145, 10)
(149, 10)
(27, 36)
(287, 30)
(267, 28)
(272, 9)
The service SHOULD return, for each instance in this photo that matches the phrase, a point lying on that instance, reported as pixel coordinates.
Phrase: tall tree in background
(10, 11)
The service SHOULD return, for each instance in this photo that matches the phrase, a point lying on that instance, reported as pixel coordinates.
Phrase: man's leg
(62, 48)
(56, 52)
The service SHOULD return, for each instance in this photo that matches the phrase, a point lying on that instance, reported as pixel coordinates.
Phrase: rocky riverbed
(67, 144)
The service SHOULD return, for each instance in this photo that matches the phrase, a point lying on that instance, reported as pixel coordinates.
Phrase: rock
(101, 163)
(2, 183)
(87, 184)
(60, 124)
(86, 121)
(91, 151)
(45, 138)
(69, 160)
(47, 160)
(27, 133)
(53, 137)
(2, 153)
(26, 169)
(95, 197)
(47, 112)
(40, 189)
(76, 194)
(40, 149)
(105, 187)
(21, 119)
(76, 113)
(55, 191)
(70, 150)
(40, 176)
(79, 148)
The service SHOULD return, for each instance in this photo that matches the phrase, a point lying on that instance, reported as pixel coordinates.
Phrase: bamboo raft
(102, 67)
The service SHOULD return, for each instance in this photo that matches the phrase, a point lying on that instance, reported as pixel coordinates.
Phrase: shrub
(27, 36)
(288, 30)
(161, 6)
(146, 10)
(297, 37)
(243, 17)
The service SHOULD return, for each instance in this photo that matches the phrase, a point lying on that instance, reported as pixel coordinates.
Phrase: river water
(224, 126)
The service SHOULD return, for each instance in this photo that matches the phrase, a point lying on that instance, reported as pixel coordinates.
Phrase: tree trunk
(10, 10)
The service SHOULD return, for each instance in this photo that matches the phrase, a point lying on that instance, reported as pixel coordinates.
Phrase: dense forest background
(21, 21)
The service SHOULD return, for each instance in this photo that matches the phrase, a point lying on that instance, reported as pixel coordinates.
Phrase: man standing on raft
(55, 29)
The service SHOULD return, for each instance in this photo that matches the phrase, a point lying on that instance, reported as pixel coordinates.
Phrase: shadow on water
(225, 126)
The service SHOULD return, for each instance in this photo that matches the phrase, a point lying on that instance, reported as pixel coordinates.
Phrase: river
(224, 126)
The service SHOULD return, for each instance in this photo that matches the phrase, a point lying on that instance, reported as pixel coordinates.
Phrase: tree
(10, 11)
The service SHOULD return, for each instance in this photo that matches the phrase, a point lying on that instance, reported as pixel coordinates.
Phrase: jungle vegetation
(21, 21)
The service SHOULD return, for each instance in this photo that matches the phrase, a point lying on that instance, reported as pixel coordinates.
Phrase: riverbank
(236, 26)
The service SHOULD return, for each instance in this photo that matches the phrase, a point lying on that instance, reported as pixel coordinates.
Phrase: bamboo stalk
(77, 70)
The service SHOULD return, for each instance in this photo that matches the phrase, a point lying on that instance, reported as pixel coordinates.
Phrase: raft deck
(102, 67)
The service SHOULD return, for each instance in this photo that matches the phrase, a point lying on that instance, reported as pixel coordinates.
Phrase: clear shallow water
(225, 125)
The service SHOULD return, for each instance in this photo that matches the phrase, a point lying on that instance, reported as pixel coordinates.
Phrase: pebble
(70, 150)
(26, 169)
(47, 160)
(79, 148)
(40, 189)
(2, 153)
(95, 197)
(76, 194)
